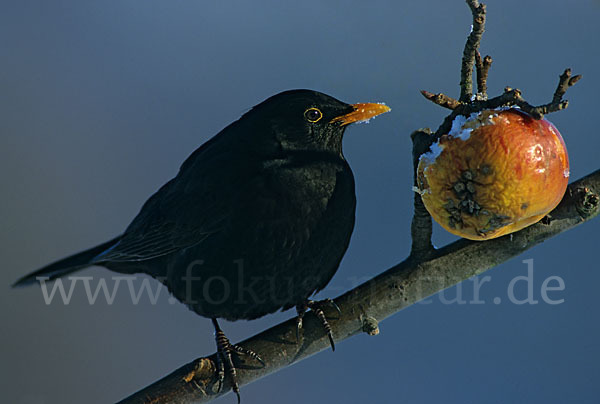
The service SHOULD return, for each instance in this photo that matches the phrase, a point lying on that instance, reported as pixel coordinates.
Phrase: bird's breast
(307, 189)
(285, 238)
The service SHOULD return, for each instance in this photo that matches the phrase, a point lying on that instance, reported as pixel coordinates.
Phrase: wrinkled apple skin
(501, 172)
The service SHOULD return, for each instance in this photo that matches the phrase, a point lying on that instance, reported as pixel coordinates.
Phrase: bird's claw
(225, 351)
(316, 307)
(331, 303)
(244, 351)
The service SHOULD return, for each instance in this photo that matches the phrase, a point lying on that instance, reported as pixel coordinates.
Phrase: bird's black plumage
(262, 214)
(257, 219)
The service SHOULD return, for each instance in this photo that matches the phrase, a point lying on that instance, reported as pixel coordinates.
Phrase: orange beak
(362, 113)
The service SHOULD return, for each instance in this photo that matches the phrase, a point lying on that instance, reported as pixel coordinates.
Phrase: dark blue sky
(102, 100)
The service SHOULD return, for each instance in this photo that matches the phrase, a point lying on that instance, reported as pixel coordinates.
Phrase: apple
(496, 172)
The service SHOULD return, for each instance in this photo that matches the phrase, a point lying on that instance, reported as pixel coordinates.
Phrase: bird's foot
(317, 308)
(225, 351)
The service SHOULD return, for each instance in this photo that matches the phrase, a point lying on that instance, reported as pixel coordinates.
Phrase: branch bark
(361, 308)
(471, 49)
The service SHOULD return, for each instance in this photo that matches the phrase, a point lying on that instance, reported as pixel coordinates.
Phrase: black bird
(257, 219)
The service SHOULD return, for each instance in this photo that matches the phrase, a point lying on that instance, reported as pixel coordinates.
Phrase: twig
(511, 97)
(482, 68)
(399, 287)
(441, 99)
(471, 47)
(565, 81)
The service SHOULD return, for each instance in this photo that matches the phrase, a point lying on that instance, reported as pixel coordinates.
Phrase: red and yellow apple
(495, 173)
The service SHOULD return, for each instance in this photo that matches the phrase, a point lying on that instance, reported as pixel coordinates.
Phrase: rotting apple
(496, 172)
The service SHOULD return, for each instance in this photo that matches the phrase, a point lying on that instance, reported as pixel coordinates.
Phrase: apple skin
(495, 173)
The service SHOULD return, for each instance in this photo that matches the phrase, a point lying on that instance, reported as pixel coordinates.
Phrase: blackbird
(257, 219)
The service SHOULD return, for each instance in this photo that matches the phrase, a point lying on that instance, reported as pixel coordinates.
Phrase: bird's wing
(156, 231)
(186, 210)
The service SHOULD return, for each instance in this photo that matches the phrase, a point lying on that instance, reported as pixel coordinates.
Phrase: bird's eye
(313, 115)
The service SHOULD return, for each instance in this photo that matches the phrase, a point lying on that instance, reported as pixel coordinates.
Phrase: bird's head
(306, 120)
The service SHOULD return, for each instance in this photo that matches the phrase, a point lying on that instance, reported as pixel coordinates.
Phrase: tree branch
(362, 307)
(421, 226)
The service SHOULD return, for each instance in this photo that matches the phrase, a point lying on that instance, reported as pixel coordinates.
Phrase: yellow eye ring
(313, 115)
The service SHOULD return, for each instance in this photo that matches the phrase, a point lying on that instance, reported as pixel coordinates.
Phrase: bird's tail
(66, 265)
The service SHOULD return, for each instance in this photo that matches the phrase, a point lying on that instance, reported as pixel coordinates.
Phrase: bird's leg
(300, 310)
(225, 349)
(317, 308)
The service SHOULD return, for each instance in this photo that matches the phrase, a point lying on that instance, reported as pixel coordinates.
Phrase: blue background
(100, 102)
